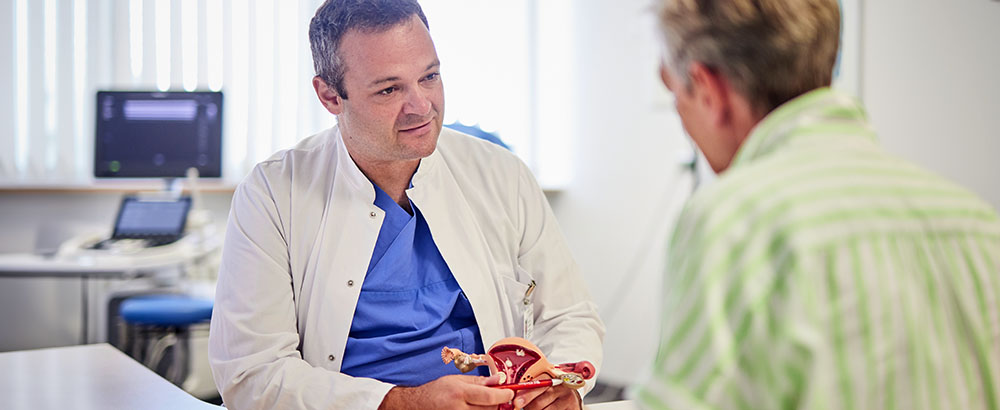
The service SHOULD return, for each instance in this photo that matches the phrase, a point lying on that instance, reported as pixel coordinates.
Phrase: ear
(713, 92)
(665, 76)
(328, 96)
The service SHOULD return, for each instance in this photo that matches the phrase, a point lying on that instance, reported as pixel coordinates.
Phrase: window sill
(97, 186)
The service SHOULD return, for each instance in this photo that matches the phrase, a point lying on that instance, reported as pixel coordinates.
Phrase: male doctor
(352, 258)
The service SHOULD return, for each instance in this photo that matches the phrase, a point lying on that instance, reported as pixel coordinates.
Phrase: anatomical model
(521, 366)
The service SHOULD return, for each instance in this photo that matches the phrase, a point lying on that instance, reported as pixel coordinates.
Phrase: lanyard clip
(527, 294)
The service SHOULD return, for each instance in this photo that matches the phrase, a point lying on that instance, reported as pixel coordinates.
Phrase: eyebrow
(435, 64)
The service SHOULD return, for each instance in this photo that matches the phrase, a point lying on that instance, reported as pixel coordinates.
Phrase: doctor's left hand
(549, 398)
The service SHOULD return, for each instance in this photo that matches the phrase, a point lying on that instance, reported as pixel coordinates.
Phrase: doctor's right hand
(449, 392)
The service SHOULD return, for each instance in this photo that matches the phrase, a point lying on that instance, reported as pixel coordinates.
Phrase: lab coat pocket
(522, 307)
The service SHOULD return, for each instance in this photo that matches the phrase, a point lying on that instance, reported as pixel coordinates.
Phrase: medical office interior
(570, 86)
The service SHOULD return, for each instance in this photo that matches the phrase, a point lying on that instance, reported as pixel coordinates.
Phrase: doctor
(352, 258)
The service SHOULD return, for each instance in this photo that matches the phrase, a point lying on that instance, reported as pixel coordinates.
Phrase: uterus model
(521, 366)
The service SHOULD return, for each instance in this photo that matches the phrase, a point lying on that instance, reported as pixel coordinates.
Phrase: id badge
(528, 312)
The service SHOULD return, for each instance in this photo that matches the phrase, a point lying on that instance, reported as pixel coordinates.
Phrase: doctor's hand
(449, 392)
(549, 398)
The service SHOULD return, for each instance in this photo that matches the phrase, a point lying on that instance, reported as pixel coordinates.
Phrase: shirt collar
(814, 111)
(391, 208)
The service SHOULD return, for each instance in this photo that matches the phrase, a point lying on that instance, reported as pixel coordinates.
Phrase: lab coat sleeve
(253, 341)
(567, 327)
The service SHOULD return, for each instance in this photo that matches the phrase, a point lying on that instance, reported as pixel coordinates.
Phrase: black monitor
(151, 134)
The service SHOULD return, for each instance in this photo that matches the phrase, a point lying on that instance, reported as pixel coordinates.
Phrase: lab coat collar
(352, 173)
(426, 171)
(349, 170)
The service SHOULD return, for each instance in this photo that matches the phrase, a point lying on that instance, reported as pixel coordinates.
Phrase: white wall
(626, 179)
(931, 81)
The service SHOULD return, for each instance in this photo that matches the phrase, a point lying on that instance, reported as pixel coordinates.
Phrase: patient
(818, 271)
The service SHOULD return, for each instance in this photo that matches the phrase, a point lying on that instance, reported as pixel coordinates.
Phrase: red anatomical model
(522, 365)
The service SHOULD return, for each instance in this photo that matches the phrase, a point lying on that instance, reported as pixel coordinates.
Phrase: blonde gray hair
(771, 51)
(334, 18)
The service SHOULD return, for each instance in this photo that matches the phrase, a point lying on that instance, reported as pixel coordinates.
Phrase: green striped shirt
(819, 272)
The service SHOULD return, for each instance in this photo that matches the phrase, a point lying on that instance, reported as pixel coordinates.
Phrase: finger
(524, 397)
(543, 401)
(492, 380)
(487, 396)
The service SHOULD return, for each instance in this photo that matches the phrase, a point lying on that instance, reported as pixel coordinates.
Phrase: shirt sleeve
(253, 341)
(566, 323)
(727, 341)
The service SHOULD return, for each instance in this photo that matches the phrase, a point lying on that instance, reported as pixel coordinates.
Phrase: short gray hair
(771, 51)
(336, 17)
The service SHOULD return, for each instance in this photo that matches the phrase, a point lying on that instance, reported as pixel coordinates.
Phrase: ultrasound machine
(151, 134)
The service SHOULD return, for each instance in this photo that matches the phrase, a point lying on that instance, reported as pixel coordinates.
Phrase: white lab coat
(301, 232)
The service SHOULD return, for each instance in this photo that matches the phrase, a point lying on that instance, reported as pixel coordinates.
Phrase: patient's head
(770, 50)
(731, 62)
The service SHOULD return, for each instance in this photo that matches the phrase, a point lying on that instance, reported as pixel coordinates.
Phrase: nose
(417, 102)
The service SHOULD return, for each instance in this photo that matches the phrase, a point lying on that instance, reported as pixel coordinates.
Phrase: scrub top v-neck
(410, 306)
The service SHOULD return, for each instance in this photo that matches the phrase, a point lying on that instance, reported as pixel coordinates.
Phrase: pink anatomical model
(522, 365)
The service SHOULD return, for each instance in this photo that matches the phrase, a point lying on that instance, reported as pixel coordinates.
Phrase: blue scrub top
(410, 306)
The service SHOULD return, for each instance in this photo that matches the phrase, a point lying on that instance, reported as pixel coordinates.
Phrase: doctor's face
(395, 103)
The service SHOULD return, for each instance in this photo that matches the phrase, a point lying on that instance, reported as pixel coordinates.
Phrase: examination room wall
(931, 82)
(928, 80)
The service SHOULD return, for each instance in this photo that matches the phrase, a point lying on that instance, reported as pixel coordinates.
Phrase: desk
(33, 285)
(613, 405)
(76, 262)
(101, 377)
(72, 297)
(85, 377)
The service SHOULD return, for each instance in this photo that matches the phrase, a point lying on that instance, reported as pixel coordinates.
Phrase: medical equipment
(152, 134)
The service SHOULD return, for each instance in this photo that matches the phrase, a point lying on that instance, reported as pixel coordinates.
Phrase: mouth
(417, 130)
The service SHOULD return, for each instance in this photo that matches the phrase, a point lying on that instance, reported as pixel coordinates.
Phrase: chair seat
(166, 310)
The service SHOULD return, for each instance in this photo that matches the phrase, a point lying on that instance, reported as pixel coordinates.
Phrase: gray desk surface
(85, 377)
(613, 405)
(95, 263)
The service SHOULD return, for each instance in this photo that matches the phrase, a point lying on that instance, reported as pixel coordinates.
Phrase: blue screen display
(139, 218)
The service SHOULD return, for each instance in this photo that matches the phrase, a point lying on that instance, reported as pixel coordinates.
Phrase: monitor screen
(158, 134)
(144, 218)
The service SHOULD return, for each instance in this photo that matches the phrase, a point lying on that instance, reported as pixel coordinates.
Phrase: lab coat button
(350, 283)
(373, 214)
(330, 357)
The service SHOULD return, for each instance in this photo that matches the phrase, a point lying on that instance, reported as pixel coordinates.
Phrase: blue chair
(477, 132)
(158, 323)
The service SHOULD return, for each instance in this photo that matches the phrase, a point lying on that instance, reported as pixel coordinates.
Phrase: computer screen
(146, 134)
(150, 218)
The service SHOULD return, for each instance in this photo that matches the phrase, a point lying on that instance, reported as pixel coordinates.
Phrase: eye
(432, 76)
(387, 91)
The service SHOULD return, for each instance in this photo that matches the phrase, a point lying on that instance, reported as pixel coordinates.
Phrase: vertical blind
(502, 70)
